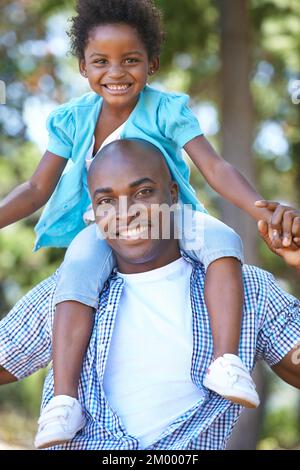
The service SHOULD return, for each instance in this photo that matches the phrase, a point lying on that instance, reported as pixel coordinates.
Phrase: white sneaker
(228, 377)
(60, 420)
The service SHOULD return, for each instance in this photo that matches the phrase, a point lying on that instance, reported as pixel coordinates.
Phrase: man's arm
(25, 333)
(6, 377)
(288, 369)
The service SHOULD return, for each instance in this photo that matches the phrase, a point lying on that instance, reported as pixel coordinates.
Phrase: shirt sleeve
(177, 121)
(25, 332)
(280, 331)
(61, 131)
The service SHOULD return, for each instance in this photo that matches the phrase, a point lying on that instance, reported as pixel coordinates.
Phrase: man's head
(129, 180)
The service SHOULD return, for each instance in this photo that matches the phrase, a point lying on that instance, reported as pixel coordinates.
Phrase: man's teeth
(133, 232)
(118, 87)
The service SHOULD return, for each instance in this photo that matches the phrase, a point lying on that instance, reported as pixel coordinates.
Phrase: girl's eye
(131, 60)
(101, 61)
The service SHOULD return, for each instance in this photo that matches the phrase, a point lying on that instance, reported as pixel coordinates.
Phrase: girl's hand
(290, 255)
(284, 226)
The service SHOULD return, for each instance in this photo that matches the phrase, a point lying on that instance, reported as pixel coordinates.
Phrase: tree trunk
(237, 135)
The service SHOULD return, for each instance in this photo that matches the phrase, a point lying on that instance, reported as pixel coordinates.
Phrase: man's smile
(131, 232)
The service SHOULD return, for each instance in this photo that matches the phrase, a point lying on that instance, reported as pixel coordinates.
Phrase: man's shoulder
(255, 278)
(255, 274)
(249, 271)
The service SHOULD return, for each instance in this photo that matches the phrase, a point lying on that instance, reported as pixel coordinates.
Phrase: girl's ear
(154, 66)
(82, 68)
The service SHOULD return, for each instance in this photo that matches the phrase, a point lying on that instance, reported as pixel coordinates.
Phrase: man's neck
(158, 261)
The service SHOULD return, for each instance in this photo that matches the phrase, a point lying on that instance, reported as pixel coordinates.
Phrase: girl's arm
(32, 195)
(224, 178)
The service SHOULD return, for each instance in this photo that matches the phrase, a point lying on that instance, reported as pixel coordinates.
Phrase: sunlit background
(39, 74)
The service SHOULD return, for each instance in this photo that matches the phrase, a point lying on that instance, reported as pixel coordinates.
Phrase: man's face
(128, 186)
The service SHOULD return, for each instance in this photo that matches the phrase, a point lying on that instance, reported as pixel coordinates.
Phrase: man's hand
(291, 255)
(284, 226)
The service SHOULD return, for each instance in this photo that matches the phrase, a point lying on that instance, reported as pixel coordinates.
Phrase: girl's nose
(116, 71)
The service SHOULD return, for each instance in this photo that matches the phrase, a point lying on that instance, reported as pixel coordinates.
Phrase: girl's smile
(117, 88)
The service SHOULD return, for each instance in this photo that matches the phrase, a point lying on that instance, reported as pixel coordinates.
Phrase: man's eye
(145, 192)
(104, 201)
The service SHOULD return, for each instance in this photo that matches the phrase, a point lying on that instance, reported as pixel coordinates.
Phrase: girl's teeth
(118, 87)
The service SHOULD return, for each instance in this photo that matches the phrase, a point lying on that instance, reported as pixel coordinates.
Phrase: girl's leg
(73, 323)
(224, 297)
(87, 265)
(220, 249)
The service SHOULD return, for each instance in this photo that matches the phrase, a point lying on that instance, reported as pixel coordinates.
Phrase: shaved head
(135, 151)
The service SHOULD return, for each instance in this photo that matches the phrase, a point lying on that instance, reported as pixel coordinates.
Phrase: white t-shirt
(147, 377)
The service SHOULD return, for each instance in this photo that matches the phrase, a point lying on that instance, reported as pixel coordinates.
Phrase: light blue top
(163, 119)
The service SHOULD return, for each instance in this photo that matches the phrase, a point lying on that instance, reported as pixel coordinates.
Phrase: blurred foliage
(281, 426)
(33, 70)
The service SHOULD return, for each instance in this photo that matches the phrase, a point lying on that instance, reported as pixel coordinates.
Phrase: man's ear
(154, 66)
(174, 192)
(82, 68)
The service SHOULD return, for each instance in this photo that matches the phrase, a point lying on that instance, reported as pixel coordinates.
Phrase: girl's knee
(221, 241)
(226, 236)
(234, 238)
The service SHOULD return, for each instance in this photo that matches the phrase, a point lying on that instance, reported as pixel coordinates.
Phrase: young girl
(117, 43)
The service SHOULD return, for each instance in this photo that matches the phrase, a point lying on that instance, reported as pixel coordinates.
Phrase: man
(141, 383)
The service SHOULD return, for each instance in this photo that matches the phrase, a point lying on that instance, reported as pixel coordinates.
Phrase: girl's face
(116, 64)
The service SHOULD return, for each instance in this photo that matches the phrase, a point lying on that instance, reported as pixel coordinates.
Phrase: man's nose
(126, 213)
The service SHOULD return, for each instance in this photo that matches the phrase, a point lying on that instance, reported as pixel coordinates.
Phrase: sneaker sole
(56, 441)
(52, 443)
(247, 403)
(241, 401)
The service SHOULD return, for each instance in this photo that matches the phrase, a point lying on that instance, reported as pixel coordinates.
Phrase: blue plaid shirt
(271, 328)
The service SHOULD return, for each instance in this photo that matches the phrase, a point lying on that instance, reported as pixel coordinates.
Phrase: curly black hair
(140, 14)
